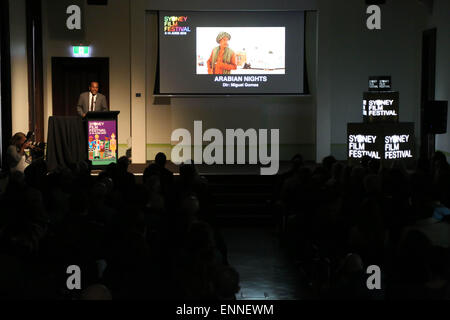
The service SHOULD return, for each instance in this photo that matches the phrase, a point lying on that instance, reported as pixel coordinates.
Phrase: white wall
(19, 69)
(441, 20)
(138, 81)
(107, 28)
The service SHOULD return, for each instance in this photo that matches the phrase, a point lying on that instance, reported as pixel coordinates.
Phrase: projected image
(384, 141)
(243, 50)
(231, 52)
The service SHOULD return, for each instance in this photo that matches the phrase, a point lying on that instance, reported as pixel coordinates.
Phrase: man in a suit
(91, 101)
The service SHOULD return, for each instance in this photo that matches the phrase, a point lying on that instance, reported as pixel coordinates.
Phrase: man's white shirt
(90, 101)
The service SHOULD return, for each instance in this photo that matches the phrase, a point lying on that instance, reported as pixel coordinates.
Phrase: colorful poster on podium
(102, 141)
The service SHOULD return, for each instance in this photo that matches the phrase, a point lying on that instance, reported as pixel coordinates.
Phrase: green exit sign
(80, 51)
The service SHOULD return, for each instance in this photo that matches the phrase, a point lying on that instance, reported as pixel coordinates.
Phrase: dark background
(72, 76)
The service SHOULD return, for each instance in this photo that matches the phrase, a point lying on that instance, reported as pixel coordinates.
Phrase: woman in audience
(15, 154)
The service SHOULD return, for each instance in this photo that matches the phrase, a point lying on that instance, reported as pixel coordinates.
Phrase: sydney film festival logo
(378, 108)
(174, 25)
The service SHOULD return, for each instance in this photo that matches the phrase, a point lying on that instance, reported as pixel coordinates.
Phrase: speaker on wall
(435, 117)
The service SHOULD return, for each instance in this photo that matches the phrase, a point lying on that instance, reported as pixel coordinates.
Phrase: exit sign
(80, 51)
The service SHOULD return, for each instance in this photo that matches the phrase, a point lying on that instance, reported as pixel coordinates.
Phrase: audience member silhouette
(160, 240)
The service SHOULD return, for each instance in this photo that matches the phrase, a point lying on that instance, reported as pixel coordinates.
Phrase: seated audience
(160, 239)
(15, 154)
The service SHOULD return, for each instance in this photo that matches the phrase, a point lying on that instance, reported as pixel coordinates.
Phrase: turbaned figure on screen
(222, 59)
(91, 100)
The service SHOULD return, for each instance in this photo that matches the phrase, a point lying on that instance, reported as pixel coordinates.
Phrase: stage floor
(204, 169)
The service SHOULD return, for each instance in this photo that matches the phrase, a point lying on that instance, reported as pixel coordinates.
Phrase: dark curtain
(35, 68)
(5, 82)
(66, 142)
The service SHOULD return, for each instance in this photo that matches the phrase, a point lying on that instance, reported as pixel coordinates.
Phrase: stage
(208, 170)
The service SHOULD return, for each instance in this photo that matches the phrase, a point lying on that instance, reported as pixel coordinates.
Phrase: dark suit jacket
(83, 103)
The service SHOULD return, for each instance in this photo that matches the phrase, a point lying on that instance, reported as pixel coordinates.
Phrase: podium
(102, 138)
(66, 142)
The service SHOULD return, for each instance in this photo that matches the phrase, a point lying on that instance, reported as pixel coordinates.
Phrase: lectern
(102, 138)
